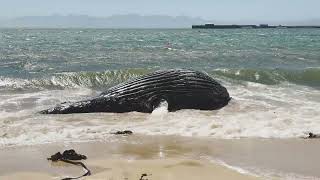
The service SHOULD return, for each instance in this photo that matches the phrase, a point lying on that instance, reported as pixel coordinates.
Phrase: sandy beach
(128, 157)
(123, 162)
(158, 158)
(155, 169)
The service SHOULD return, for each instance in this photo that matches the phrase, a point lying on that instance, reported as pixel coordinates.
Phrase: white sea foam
(9, 82)
(256, 110)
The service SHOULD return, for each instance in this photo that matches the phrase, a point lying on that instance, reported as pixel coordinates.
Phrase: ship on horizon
(249, 26)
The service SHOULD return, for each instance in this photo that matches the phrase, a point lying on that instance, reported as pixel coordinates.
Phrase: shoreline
(241, 158)
(154, 169)
(116, 160)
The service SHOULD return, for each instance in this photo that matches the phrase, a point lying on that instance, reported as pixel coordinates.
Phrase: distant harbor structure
(235, 26)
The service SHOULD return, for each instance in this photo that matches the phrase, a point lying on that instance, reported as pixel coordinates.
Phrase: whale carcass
(180, 88)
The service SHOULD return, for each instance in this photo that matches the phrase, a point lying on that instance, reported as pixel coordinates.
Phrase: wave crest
(309, 76)
(103, 80)
(95, 80)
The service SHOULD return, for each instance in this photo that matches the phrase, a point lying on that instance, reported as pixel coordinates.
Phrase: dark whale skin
(182, 89)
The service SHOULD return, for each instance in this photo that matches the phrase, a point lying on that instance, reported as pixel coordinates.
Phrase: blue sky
(221, 10)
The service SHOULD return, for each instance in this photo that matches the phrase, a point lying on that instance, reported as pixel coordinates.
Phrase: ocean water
(273, 76)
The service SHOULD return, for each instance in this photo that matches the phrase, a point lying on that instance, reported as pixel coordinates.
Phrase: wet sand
(155, 169)
(168, 157)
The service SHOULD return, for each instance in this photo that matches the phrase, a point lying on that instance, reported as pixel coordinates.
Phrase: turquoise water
(275, 55)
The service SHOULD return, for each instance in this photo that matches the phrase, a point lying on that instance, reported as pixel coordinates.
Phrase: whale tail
(98, 104)
(67, 108)
(87, 106)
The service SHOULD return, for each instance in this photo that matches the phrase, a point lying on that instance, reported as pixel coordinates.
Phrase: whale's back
(182, 89)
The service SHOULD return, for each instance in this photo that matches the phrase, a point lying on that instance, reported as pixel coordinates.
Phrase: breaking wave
(95, 80)
(308, 77)
(103, 80)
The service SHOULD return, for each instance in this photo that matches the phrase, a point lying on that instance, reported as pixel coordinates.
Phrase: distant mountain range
(123, 21)
(115, 21)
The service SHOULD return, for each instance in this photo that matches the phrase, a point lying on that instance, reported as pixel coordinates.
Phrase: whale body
(181, 89)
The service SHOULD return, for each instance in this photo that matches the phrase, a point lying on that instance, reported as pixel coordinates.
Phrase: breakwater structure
(235, 26)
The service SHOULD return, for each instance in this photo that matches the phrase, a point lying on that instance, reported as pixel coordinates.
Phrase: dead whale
(180, 88)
